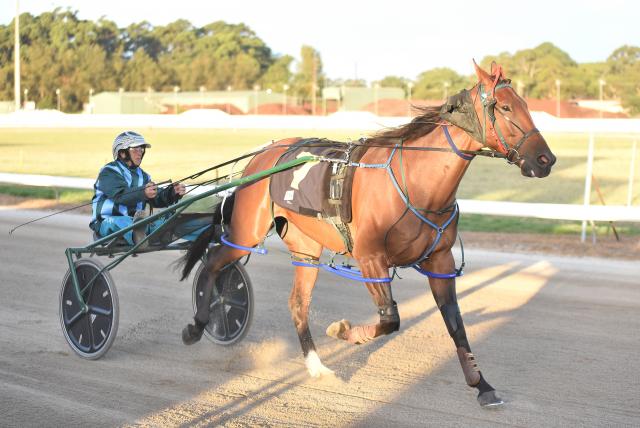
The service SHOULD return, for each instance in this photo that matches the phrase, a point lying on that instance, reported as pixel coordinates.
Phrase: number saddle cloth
(319, 189)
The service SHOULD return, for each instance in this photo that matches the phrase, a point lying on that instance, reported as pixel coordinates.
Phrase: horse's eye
(505, 108)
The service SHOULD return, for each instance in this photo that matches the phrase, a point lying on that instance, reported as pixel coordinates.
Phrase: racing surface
(558, 337)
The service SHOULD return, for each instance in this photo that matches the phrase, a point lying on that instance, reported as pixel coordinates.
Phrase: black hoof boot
(192, 333)
(487, 395)
(489, 399)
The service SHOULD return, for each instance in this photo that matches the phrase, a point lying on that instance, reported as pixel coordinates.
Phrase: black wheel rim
(88, 332)
(229, 307)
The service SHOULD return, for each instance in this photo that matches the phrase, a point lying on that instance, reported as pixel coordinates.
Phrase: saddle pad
(305, 188)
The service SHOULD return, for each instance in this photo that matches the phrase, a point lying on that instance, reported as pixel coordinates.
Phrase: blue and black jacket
(119, 191)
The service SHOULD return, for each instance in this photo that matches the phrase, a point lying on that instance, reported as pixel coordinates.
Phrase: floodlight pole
(558, 97)
(631, 173)
(587, 186)
(16, 70)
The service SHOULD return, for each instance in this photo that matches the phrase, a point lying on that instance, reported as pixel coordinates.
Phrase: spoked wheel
(89, 334)
(231, 306)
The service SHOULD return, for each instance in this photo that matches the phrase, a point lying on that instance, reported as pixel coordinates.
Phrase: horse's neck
(433, 179)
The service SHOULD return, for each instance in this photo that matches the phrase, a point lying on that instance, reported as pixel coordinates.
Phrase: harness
(509, 153)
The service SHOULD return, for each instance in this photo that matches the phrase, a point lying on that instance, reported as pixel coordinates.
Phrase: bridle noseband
(511, 153)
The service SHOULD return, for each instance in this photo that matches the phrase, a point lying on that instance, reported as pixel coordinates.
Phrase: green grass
(485, 223)
(178, 153)
(66, 196)
(174, 153)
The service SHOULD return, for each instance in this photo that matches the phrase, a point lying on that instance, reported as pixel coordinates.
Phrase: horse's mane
(421, 125)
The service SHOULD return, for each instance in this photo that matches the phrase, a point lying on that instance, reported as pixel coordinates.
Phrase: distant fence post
(631, 173)
(587, 185)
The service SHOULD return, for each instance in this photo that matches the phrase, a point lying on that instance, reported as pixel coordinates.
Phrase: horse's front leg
(444, 292)
(383, 299)
(304, 249)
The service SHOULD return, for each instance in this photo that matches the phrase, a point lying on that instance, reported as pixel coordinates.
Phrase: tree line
(61, 51)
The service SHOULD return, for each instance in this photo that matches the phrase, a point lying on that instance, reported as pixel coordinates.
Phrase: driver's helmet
(126, 140)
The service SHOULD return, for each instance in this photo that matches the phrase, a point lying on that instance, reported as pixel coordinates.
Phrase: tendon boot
(192, 333)
(469, 367)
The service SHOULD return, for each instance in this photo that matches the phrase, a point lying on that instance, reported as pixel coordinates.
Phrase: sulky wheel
(89, 334)
(231, 307)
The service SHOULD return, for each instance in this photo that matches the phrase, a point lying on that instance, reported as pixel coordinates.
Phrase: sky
(373, 39)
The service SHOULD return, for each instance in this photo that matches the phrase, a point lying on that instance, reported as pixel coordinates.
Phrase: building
(233, 102)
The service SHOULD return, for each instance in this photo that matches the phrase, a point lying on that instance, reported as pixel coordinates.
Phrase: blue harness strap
(228, 243)
(343, 271)
(453, 145)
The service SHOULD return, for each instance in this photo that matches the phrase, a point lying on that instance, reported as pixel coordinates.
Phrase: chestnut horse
(412, 224)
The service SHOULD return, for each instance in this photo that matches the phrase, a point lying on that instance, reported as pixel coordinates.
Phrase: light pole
(58, 98)
(26, 99)
(446, 89)
(558, 97)
(601, 82)
(176, 89)
(285, 88)
(228, 103)
(376, 87)
(91, 100)
(16, 69)
(202, 89)
(409, 88)
(256, 88)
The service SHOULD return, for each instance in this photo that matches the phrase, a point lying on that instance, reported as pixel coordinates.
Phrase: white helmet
(126, 140)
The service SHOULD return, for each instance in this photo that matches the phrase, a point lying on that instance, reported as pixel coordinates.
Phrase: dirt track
(557, 336)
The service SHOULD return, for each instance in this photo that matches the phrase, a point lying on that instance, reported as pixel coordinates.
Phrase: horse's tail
(195, 252)
(222, 214)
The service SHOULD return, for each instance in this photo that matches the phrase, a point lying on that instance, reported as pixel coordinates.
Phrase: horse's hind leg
(246, 230)
(382, 297)
(444, 293)
(304, 248)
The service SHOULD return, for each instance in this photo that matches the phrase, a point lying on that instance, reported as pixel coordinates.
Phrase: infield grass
(178, 153)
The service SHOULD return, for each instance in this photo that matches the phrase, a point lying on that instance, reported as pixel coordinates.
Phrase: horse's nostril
(543, 160)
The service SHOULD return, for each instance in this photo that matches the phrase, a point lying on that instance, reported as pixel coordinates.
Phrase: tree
(433, 84)
(623, 76)
(142, 72)
(309, 75)
(278, 75)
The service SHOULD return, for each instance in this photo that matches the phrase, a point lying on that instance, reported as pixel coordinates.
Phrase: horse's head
(507, 126)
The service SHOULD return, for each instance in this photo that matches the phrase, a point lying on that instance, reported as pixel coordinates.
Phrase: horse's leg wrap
(453, 321)
(389, 318)
(469, 367)
(360, 334)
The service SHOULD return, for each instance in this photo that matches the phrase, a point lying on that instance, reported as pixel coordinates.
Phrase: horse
(413, 224)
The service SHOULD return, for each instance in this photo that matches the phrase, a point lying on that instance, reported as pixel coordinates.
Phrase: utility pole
(558, 97)
(16, 70)
(314, 78)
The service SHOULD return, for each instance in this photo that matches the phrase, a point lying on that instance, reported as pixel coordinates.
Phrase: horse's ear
(483, 77)
(494, 68)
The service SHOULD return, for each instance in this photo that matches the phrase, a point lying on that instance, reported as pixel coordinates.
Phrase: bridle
(488, 101)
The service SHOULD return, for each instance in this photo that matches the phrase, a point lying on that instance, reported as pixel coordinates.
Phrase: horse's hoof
(338, 328)
(191, 334)
(489, 399)
(315, 367)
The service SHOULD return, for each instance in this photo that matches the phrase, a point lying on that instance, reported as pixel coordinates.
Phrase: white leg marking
(315, 367)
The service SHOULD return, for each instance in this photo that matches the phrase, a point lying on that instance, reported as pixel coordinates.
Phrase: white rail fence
(215, 119)
(499, 208)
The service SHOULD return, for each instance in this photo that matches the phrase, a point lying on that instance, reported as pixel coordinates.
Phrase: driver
(123, 190)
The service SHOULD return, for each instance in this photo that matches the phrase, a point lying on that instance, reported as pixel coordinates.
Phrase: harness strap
(455, 149)
(258, 250)
(343, 271)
